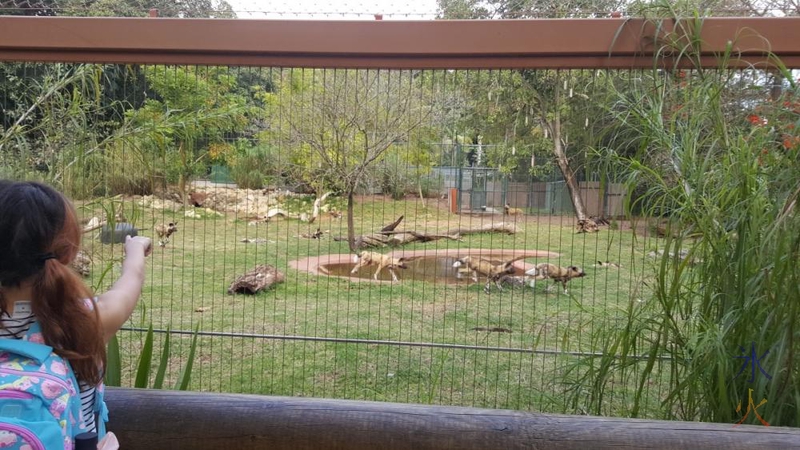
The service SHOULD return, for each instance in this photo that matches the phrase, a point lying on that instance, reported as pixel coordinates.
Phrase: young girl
(39, 237)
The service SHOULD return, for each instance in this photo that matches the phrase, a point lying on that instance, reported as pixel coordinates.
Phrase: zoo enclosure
(607, 44)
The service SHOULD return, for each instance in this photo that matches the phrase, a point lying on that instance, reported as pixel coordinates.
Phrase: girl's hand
(138, 242)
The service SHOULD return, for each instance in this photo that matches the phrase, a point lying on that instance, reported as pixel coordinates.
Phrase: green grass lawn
(194, 270)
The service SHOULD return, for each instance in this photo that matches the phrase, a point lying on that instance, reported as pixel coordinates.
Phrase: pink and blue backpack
(40, 402)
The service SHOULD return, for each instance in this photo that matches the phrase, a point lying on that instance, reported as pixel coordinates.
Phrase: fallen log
(398, 238)
(94, 224)
(502, 227)
(390, 237)
(393, 225)
(262, 277)
(406, 237)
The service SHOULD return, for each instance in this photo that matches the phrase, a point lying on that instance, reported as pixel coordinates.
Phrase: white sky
(335, 9)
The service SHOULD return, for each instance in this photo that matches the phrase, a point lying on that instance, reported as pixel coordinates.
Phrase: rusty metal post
(437, 44)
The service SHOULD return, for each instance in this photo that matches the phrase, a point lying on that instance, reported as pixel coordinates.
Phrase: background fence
(123, 134)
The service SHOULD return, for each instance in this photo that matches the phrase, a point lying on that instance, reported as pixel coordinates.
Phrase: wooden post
(153, 419)
(453, 201)
(153, 12)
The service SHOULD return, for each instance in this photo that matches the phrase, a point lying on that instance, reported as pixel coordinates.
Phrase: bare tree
(342, 122)
(551, 121)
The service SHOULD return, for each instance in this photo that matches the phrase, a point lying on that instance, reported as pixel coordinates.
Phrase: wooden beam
(151, 419)
(470, 44)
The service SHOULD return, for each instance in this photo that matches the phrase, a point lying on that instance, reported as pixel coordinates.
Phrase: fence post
(460, 184)
(153, 12)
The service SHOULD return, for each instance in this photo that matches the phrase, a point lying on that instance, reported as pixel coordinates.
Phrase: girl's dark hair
(39, 237)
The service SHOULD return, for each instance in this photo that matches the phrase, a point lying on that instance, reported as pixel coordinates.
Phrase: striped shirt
(14, 327)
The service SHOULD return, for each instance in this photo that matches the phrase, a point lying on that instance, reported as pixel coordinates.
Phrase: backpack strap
(101, 410)
(34, 333)
(32, 339)
(32, 350)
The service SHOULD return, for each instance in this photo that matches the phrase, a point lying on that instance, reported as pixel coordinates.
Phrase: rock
(198, 198)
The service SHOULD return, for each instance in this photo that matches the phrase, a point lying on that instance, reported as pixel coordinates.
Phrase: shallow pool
(433, 269)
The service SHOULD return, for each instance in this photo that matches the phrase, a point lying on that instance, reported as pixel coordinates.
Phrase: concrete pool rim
(315, 264)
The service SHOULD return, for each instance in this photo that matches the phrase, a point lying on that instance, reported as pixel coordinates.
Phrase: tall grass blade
(186, 373)
(113, 374)
(158, 383)
(145, 360)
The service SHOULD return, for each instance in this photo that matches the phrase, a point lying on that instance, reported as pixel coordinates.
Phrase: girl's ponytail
(72, 329)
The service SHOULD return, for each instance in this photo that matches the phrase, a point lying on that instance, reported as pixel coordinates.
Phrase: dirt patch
(150, 201)
(437, 309)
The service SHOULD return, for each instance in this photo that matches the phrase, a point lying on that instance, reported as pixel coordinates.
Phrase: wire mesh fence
(301, 169)
(236, 158)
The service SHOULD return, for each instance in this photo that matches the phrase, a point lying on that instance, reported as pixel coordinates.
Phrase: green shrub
(131, 168)
(254, 167)
(82, 175)
(431, 186)
(249, 179)
(395, 178)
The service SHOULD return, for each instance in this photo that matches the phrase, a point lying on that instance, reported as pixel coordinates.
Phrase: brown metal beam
(565, 43)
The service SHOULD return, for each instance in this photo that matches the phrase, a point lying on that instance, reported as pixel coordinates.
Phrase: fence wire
(236, 158)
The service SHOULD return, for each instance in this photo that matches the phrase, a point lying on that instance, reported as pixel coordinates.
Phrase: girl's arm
(116, 305)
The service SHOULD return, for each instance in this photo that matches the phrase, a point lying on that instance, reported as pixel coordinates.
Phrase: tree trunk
(421, 197)
(569, 178)
(182, 176)
(351, 228)
(776, 86)
(182, 188)
(563, 161)
(317, 205)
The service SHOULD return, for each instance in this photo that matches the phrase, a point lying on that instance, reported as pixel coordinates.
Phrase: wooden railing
(151, 419)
